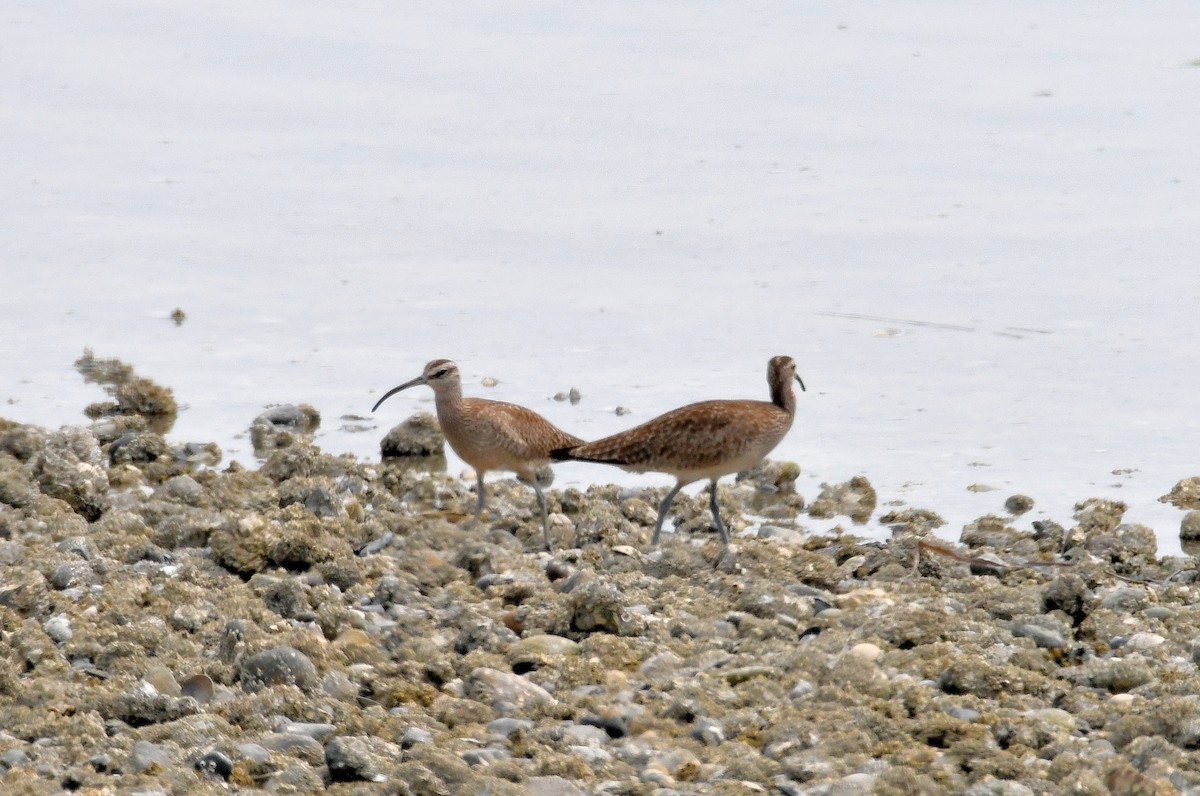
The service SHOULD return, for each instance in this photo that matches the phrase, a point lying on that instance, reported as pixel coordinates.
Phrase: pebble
(1126, 600)
(278, 666)
(506, 726)
(69, 574)
(14, 758)
(865, 652)
(586, 734)
(313, 729)
(1042, 636)
(454, 658)
(216, 764)
(709, 732)
(418, 735)
(58, 628)
(292, 744)
(254, 752)
(1144, 641)
(507, 690)
(146, 757)
(963, 714)
(360, 758)
(801, 689)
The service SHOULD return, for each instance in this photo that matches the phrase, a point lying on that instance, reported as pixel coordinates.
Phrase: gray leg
(480, 497)
(541, 502)
(662, 512)
(717, 514)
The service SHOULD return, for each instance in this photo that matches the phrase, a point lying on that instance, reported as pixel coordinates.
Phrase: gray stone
(497, 688)
(292, 744)
(254, 752)
(360, 757)
(316, 730)
(506, 726)
(1127, 600)
(184, 489)
(58, 628)
(278, 666)
(801, 689)
(585, 735)
(963, 714)
(1043, 637)
(419, 735)
(709, 732)
(70, 574)
(13, 758)
(146, 757)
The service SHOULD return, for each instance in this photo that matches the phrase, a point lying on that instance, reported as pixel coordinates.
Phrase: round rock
(278, 666)
(360, 757)
(419, 435)
(217, 764)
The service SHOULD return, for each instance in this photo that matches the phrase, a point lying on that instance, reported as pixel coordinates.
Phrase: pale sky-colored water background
(976, 226)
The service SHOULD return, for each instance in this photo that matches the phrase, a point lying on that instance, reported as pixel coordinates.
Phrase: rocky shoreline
(169, 625)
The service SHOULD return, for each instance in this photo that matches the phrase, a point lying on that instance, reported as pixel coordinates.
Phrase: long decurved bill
(802, 389)
(394, 390)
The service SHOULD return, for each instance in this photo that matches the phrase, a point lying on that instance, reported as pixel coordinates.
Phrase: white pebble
(1144, 641)
(58, 628)
(865, 652)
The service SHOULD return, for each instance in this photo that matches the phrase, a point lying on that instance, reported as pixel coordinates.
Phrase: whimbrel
(490, 435)
(701, 440)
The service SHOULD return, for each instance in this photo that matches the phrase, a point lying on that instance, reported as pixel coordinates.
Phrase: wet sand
(174, 624)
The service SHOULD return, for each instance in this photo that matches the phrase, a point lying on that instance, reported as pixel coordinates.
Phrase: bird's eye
(441, 372)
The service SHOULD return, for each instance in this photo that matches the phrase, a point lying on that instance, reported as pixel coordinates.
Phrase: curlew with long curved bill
(701, 440)
(490, 435)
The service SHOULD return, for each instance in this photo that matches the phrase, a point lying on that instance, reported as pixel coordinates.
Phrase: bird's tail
(561, 455)
(576, 455)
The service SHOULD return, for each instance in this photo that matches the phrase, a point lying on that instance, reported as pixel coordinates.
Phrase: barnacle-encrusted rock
(419, 435)
(855, 499)
(1185, 494)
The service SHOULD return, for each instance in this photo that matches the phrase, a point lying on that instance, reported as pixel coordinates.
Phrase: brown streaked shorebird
(701, 440)
(490, 435)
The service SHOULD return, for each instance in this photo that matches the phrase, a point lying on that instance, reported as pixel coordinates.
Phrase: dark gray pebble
(278, 666)
(215, 763)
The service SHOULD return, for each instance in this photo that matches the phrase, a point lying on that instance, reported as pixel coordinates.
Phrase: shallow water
(974, 227)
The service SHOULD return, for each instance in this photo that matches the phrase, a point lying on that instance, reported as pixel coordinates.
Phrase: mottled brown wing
(696, 436)
(524, 433)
